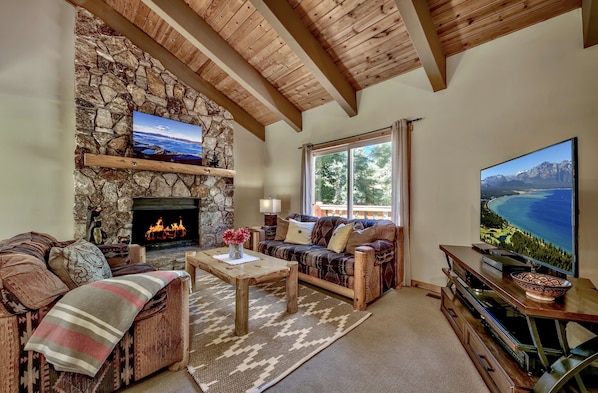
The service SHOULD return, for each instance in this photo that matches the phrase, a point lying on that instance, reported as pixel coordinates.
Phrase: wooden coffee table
(265, 269)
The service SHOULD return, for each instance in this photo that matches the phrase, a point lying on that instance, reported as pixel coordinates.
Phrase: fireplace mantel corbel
(117, 162)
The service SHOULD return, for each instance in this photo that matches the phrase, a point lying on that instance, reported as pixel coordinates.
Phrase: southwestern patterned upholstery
(28, 290)
(378, 260)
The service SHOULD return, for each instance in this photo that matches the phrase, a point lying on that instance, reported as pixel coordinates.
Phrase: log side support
(360, 277)
(185, 289)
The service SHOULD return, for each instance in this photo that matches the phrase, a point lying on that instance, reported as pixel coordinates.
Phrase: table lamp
(269, 207)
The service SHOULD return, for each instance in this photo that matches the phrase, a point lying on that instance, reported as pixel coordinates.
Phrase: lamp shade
(270, 206)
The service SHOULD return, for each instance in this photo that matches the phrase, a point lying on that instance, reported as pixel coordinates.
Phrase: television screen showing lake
(545, 214)
(163, 139)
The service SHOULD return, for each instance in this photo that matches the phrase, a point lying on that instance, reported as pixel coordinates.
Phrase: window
(353, 180)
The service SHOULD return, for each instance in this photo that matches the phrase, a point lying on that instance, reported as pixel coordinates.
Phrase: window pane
(330, 188)
(372, 181)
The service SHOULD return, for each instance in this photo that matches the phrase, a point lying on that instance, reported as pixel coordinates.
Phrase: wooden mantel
(118, 162)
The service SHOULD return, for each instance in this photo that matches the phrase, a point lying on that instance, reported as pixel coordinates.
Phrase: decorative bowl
(541, 286)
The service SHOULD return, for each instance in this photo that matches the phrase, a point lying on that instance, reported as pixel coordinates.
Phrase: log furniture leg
(292, 288)
(242, 305)
(189, 268)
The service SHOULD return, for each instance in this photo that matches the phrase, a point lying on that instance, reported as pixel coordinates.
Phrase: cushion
(358, 237)
(79, 263)
(324, 229)
(339, 238)
(27, 279)
(385, 229)
(282, 227)
(299, 232)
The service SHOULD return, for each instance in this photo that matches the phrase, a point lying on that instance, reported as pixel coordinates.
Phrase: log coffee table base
(242, 276)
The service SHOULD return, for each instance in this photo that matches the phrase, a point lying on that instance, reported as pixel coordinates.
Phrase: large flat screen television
(529, 207)
(158, 138)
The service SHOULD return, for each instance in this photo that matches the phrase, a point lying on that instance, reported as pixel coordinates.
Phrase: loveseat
(359, 258)
(29, 289)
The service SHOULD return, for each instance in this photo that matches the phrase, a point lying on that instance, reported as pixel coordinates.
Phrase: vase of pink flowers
(235, 240)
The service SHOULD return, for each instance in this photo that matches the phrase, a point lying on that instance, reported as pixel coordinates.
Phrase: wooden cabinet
(517, 344)
(500, 373)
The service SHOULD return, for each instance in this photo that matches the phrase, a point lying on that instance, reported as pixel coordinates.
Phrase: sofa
(357, 258)
(31, 285)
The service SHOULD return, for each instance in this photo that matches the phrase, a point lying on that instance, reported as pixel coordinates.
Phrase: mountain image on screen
(544, 176)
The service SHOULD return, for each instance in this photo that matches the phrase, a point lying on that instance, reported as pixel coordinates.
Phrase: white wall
(513, 95)
(37, 117)
(249, 178)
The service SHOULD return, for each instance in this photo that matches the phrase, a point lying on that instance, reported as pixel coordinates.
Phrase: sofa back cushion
(324, 228)
(302, 217)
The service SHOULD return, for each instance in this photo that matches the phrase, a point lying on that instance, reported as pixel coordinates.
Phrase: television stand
(516, 343)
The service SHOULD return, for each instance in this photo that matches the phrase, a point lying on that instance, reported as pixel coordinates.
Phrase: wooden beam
(589, 16)
(191, 26)
(281, 16)
(417, 19)
(118, 162)
(138, 37)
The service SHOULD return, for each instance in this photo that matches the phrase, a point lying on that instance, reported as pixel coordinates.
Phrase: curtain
(306, 179)
(401, 188)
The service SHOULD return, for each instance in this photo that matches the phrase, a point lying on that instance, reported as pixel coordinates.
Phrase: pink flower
(239, 236)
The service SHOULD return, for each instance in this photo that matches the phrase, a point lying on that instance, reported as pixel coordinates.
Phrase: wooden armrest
(136, 253)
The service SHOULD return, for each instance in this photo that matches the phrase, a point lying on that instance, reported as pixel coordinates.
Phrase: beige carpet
(277, 342)
(406, 346)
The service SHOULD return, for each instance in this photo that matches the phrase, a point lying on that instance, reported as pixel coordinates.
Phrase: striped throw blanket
(81, 330)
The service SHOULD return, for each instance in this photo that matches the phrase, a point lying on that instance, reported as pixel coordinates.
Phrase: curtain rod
(358, 135)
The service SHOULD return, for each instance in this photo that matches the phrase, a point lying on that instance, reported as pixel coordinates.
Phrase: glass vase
(235, 251)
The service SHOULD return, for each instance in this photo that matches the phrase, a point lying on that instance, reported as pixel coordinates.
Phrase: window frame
(348, 147)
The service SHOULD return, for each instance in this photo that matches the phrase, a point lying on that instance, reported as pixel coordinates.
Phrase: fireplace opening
(160, 223)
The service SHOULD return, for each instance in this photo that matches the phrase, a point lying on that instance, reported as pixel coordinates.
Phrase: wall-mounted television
(158, 138)
(529, 206)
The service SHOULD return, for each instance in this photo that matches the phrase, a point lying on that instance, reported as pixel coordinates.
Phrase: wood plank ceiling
(270, 60)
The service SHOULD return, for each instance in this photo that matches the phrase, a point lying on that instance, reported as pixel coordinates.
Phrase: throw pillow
(282, 227)
(359, 237)
(27, 278)
(339, 238)
(299, 232)
(79, 263)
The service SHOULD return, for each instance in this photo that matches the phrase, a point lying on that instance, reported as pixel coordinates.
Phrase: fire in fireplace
(158, 232)
(166, 222)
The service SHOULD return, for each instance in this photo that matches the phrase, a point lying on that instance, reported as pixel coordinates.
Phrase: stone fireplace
(113, 78)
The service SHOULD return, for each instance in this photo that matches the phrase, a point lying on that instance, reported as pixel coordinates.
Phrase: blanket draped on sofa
(82, 329)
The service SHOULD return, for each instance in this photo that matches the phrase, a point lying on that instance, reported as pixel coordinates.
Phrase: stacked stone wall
(113, 79)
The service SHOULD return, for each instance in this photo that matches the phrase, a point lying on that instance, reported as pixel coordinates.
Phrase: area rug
(277, 342)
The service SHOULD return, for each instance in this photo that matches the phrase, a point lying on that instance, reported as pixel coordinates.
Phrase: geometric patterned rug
(277, 342)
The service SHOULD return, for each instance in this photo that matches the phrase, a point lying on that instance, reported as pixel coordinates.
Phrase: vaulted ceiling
(270, 60)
